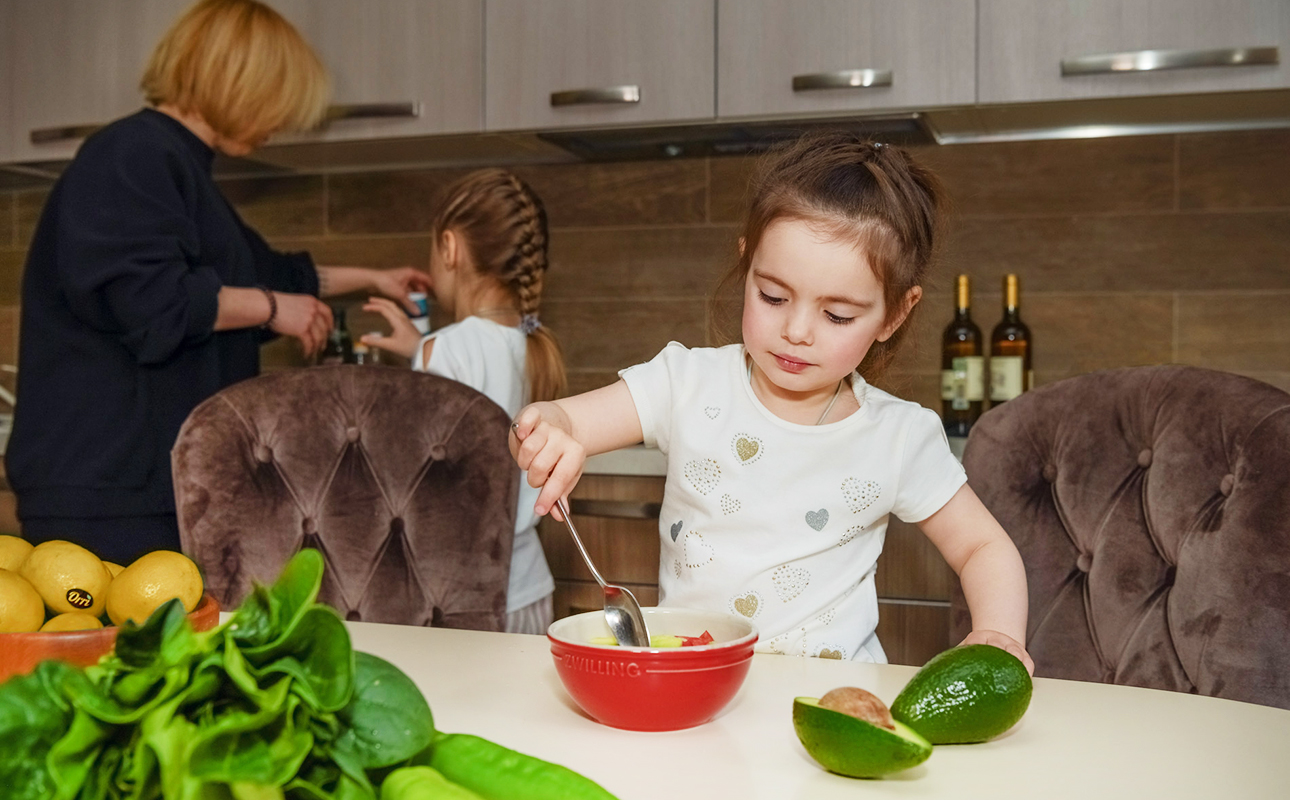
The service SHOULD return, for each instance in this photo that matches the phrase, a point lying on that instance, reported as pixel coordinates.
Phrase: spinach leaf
(273, 612)
(317, 653)
(387, 720)
(33, 716)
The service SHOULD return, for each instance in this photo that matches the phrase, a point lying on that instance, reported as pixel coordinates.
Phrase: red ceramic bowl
(21, 652)
(654, 689)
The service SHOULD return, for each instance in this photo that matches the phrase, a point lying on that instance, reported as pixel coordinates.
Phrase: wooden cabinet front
(77, 63)
(794, 57)
(398, 67)
(582, 63)
(1104, 48)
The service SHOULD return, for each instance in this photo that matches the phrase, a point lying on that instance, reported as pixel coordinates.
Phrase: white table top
(1078, 740)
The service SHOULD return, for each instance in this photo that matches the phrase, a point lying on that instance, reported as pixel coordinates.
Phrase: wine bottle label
(1007, 374)
(964, 383)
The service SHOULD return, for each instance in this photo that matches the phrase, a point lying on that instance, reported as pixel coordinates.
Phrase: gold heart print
(833, 654)
(747, 448)
(703, 475)
(747, 605)
(789, 581)
(860, 494)
(850, 534)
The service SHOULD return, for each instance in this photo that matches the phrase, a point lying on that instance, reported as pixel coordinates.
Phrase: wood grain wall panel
(591, 263)
(624, 550)
(1237, 332)
(30, 203)
(280, 206)
(582, 328)
(622, 193)
(8, 219)
(912, 633)
(1248, 169)
(577, 597)
(911, 567)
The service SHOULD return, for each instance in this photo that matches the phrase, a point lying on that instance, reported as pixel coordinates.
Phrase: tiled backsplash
(1138, 250)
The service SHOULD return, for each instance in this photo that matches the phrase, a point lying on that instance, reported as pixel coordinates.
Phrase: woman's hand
(303, 317)
(543, 446)
(1004, 642)
(397, 283)
(403, 337)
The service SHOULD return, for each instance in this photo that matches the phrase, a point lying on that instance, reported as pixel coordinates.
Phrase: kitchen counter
(1078, 740)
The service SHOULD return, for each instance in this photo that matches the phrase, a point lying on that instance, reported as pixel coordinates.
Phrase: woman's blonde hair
(502, 224)
(240, 65)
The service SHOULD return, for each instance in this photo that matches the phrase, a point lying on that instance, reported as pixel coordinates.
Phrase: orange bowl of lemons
(59, 600)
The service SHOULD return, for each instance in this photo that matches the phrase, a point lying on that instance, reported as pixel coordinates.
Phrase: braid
(528, 261)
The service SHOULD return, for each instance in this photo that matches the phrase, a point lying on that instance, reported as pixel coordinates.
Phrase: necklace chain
(834, 399)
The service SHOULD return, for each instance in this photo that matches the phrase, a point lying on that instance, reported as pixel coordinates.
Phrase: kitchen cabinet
(795, 57)
(1057, 51)
(598, 63)
(77, 63)
(398, 67)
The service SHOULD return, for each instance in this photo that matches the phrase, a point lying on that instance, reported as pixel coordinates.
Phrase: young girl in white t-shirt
(487, 263)
(784, 462)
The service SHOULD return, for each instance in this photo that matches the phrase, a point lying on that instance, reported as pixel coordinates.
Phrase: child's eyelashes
(774, 301)
(836, 320)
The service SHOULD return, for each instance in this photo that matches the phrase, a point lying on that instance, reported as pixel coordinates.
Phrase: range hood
(1066, 119)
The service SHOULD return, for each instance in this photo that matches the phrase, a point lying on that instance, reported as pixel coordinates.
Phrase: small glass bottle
(339, 348)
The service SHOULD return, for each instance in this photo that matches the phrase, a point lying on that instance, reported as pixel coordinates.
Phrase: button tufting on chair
(1227, 484)
(1190, 595)
(401, 543)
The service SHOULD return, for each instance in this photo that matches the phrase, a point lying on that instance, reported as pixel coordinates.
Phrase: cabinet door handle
(61, 133)
(606, 94)
(1152, 60)
(372, 111)
(66, 133)
(842, 79)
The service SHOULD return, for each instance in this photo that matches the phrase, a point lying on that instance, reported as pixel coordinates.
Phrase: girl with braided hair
(784, 461)
(487, 264)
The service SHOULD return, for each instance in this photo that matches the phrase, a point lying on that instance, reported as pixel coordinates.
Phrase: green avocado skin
(966, 694)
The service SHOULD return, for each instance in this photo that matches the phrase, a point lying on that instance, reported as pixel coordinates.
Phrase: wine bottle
(339, 348)
(962, 366)
(1010, 349)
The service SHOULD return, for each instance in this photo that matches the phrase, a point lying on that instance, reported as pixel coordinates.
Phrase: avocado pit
(860, 704)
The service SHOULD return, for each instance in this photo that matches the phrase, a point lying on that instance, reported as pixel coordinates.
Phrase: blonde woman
(144, 293)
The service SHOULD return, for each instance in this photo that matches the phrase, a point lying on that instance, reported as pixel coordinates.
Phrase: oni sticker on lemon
(149, 582)
(67, 576)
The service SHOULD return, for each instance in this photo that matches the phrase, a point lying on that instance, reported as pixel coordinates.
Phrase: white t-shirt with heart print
(779, 522)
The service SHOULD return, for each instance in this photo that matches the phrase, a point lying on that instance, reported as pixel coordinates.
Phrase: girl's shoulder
(888, 407)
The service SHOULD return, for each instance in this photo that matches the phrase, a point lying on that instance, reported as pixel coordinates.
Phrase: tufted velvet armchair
(402, 480)
(1151, 508)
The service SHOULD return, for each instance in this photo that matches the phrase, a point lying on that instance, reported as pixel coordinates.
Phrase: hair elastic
(529, 323)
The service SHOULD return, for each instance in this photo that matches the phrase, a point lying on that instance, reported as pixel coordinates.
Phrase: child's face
(812, 308)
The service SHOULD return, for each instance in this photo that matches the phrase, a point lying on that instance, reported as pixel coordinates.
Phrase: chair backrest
(1151, 508)
(402, 480)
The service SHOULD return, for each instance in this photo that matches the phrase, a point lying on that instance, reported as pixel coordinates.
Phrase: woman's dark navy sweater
(119, 299)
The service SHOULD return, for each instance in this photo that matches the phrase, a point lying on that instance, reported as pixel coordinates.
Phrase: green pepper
(498, 773)
(422, 783)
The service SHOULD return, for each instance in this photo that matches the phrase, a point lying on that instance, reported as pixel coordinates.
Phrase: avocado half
(853, 747)
(966, 694)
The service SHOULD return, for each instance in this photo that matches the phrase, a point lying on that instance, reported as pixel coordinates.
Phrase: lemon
(149, 582)
(72, 621)
(13, 551)
(21, 609)
(855, 747)
(68, 577)
(966, 694)
(114, 569)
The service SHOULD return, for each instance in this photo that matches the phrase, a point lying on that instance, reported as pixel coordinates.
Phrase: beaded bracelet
(273, 306)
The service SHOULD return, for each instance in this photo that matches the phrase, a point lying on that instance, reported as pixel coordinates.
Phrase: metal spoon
(622, 612)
